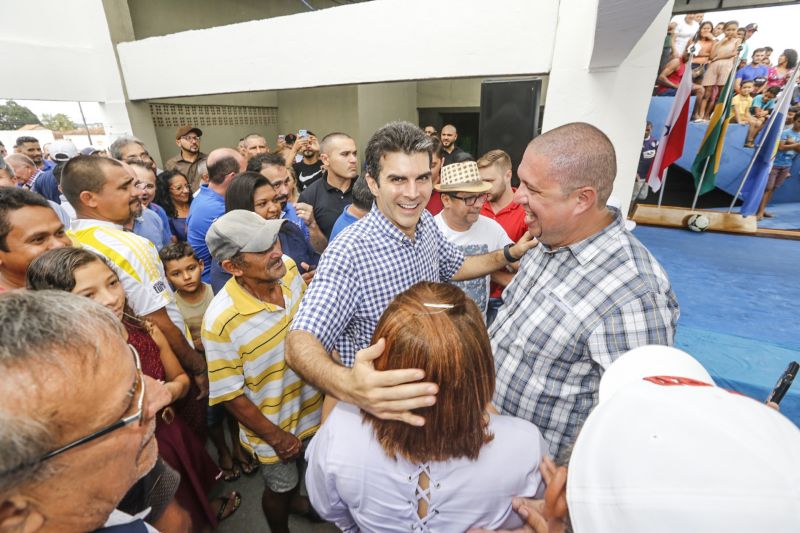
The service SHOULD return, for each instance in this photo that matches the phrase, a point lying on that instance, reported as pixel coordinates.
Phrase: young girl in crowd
(84, 273)
(459, 470)
(720, 63)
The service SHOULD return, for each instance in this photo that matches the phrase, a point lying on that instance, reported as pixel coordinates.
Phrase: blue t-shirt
(46, 184)
(758, 101)
(158, 210)
(784, 158)
(649, 147)
(344, 220)
(757, 75)
(149, 226)
(205, 209)
(290, 214)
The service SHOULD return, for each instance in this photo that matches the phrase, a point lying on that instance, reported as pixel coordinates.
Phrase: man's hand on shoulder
(390, 394)
(521, 247)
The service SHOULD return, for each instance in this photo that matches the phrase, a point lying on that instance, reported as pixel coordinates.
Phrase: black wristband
(507, 254)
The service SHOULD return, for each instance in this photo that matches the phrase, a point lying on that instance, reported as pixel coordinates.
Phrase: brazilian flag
(710, 151)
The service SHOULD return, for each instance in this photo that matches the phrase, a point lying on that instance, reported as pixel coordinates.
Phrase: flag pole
(700, 184)
(705, 167)
(663, 186)
(770, 122)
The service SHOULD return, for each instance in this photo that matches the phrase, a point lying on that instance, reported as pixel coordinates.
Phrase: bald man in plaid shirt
(587, 294)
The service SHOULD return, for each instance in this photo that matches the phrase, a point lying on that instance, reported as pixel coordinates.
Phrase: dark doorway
(466, 121)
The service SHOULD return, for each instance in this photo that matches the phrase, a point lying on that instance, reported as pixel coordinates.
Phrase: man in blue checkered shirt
(393, 247)
(587, 294)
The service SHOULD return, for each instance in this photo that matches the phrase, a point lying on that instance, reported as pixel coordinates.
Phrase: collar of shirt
(385, 226)
(205, 190)
(331, 188)
(290, 213)
(247, 304)
(584, 251)
(84, 223)
(179, 158)
(513, 206)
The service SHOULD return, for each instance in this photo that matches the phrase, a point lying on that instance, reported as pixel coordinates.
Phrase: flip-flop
(250, 466)
(237, 501)
(230, 474)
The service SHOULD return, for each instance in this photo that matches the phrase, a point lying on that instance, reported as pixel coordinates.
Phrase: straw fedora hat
(462, 177)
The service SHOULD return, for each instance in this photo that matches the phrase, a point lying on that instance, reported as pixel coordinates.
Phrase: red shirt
(435, 205)
(512, 218)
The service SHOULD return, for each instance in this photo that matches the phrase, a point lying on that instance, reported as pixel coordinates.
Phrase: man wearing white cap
(243, 333)
(463, 194)
(667, 450)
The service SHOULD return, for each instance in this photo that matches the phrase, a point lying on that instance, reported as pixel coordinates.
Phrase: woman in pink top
(720, 63)
(780, 73)
(458, 471)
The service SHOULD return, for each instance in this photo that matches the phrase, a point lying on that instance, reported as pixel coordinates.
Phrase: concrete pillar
(615, 99)
(121, 115)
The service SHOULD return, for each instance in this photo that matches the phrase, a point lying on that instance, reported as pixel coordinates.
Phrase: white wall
(55, 51)
(389, 40)
(614, 99)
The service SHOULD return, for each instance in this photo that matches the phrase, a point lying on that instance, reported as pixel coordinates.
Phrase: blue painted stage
(738, 297)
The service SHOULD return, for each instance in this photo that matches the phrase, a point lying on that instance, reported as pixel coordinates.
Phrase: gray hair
(42, 333)
(115, 150)
(395, 137)
(5, 166)
(579, 155)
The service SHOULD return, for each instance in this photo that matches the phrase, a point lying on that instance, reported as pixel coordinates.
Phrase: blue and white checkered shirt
(567, 315)
(362, 270)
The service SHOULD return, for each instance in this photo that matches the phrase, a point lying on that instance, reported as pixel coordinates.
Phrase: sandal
(250, 466)
(231, 473)
(235, 498)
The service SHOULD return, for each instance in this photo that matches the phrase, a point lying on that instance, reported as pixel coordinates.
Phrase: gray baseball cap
(241, 231)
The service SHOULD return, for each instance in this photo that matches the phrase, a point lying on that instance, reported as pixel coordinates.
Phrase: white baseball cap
(62, 150)
(676, 453)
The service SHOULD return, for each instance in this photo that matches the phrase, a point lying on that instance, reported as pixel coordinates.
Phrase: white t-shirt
(484, 236)
(683, 32)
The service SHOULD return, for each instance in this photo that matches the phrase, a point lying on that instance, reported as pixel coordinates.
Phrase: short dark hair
(84, 173)
(176, 251)
(395, 137)
(12, 199)
(362, 196)
(326, 141)
(25, 139)
(459, 157)
(768, 49)
(221, 168)
(241, 190)
(257, 162)
(774, 90)
(757, 50)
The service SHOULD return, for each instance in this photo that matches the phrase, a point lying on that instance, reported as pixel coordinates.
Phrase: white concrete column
(615, 99)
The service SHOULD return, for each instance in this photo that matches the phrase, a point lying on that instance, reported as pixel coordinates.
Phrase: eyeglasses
(191, 138)
(137, 416)
(178, 188)
(469, 201)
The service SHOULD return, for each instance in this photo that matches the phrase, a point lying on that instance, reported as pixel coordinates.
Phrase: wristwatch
(507, 254)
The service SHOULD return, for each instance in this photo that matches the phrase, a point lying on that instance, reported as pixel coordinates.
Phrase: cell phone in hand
(303, 134)
(784, 382)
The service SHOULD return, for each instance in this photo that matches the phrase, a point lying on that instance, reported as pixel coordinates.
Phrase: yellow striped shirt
(136, 262)
(244, 342)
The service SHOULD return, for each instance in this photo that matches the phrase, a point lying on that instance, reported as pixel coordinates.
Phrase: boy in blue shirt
(782, 166)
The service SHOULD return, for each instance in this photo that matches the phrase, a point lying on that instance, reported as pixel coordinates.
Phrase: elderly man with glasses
(189, 155)
(464, 194)
(72, 444)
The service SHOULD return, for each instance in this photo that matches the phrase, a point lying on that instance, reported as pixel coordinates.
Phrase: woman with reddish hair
(462, 467)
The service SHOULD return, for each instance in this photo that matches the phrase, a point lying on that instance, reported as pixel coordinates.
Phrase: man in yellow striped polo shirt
(243, 332)
(104, 196)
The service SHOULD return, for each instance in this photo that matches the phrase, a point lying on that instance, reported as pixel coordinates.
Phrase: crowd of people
(711, 51)
(398, 346)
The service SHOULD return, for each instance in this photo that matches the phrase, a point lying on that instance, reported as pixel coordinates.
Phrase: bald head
(579, 155)
(224, 162)
(330, 140)
(449, 136)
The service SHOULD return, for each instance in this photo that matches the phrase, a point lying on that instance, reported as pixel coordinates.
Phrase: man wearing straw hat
(463, 194)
